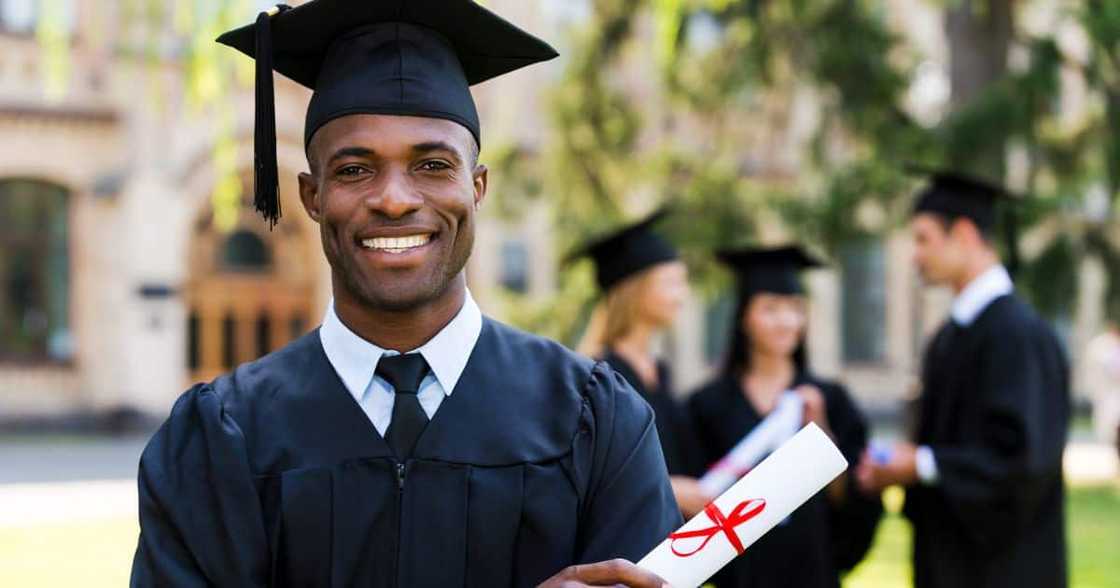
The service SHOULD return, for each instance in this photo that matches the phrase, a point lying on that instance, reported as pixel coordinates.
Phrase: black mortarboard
(773, 270)
(627, 251)
(398, 57)
(957, 195)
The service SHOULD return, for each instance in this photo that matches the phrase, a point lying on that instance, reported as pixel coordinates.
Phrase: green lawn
(96, 555)
(1094, 543)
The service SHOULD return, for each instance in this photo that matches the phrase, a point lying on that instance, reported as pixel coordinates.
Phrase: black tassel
(266, 177)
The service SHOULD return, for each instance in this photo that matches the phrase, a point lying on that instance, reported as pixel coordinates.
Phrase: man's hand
(901, 469)
(617, 572)
(691, 498)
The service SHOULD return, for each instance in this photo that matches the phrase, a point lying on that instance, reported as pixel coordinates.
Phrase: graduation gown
(994, 409)
(273, 476)
(674, 428)
(819, 540)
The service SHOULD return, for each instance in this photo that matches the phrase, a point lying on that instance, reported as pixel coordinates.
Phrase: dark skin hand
(378, 179)
(617, 572)
(390, 177)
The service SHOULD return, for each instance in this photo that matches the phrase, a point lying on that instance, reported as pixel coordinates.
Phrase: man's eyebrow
(352, 152)
(429, 146)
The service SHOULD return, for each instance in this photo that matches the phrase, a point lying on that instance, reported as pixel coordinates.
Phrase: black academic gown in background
(274, 476)
(819, 540)
(995, 410)
(674, 428)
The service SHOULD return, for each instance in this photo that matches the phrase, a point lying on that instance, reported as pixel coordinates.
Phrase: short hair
(987, 233)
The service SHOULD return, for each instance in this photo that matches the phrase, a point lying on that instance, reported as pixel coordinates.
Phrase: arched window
(245, 251)
(34, 272)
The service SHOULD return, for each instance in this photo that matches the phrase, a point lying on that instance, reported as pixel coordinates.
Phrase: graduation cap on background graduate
(775, 270)
(396, 57)
(956, 195)
(770, 270)
(627, 250)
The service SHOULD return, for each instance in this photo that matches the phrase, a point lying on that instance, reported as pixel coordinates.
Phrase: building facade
(119, 288)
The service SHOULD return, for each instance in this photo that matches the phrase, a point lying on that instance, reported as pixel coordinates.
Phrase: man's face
(395, 198)
(937, 251)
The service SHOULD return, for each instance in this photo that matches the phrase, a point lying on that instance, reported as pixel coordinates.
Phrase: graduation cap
(627, 251)
(396, 57)
(774, 270)
(957, 195)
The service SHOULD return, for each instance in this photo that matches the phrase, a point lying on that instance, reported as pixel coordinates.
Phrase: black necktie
(404, 373)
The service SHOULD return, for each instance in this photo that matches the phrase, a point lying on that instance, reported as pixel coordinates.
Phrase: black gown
(274, 476)
(995, 410)
(819, 540)
(674, 428)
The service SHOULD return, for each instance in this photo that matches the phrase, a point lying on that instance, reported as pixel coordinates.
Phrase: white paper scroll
(785, 480)
(781, 424)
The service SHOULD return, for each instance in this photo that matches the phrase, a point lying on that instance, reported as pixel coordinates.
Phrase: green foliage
(55, 42)
(613, 153)
(1051, 280)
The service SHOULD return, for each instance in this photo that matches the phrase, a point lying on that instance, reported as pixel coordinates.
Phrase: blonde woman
(644, 284)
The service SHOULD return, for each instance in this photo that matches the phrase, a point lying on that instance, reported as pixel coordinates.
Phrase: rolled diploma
(774, 430)
(784, 481)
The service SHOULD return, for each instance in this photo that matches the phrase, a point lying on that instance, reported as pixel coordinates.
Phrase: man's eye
(351, 171)
(434, 165)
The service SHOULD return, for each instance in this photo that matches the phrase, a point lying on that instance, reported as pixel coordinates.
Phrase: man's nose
(396, 198)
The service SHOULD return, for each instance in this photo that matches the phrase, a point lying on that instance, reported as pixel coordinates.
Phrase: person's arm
(630, 507)
(200, 518)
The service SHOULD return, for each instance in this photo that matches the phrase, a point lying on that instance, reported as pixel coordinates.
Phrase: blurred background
(132, 265)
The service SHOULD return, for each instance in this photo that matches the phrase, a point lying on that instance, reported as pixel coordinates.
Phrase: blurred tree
(705, 103)
(743, 114)
(159, 34)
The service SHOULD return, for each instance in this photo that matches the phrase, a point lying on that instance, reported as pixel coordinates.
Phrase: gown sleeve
(996, 482)
(200, 516)
(700, 410)
(630, 507)
(852, 523)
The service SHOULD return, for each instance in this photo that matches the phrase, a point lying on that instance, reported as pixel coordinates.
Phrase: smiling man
(409, 441)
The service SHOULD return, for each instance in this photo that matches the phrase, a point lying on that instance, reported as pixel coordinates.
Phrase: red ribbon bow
(745, 511)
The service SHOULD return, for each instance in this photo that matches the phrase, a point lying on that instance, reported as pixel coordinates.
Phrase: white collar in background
(980, 292)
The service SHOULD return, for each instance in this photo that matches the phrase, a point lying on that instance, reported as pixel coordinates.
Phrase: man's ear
(309, 196)
(964, 230)
(481, 182)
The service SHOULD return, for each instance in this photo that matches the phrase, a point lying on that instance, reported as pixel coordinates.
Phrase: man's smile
(397, 245)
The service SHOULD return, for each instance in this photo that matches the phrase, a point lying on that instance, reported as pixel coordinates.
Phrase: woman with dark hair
(644, 285)
(766, 358)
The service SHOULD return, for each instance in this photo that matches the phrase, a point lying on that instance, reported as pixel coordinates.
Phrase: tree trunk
(979, 34)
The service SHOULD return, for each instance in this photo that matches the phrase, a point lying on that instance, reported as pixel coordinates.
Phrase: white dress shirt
(967, 307)
(979, 293)
(355, 361)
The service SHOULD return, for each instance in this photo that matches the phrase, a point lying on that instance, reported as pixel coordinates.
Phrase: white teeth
(396, 244)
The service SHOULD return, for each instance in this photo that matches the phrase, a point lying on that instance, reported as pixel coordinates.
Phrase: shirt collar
(355, 360)
(980, 292)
